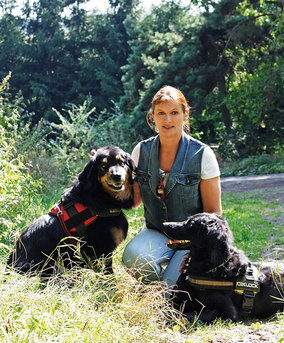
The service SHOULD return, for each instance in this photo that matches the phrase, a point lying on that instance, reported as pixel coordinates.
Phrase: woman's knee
(145, 254)
(142, 266)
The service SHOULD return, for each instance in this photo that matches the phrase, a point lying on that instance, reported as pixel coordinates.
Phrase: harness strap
(109, 213)
(247, 287)
(247, 305)
(203, 283)
(67, 232)
(79, 218)
(72, 212)
(74, 218)
(250, 286)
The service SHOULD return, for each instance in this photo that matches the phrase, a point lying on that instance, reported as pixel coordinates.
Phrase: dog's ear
(207, 231)
(219, 251)
(129, 162)
(202, 230)
(201, 237)
(88, 178)
(131, 166)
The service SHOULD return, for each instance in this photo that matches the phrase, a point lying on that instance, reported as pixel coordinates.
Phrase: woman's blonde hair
(168, 93)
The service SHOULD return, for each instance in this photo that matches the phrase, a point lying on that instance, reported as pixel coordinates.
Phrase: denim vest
(182, 191)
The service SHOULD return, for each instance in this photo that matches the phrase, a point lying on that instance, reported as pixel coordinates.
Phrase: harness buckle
(248, 283)
(59, 213)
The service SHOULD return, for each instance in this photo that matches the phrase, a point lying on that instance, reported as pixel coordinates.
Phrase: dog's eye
(104, 167)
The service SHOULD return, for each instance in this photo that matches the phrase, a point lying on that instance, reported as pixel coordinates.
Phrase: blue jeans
(149, 258)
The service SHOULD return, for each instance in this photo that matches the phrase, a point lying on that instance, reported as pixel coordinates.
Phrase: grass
(254, 221)
(81, 307)
(84, 306)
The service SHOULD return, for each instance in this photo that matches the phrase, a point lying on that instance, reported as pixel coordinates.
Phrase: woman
(177, 176)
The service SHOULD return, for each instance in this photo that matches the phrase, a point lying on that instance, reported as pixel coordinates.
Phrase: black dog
(218, 279)
(88, 216)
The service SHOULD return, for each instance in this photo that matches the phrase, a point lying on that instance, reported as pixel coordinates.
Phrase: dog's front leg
(223, 303)
(208, 316)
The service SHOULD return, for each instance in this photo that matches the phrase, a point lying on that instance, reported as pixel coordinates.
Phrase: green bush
(254, 165)
(18, 188)
(80, 130)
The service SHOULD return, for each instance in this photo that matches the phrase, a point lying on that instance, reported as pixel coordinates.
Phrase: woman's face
(169, 117)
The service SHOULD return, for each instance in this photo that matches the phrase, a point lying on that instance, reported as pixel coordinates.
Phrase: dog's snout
(117, 173)
(116, 176)
(176, 230)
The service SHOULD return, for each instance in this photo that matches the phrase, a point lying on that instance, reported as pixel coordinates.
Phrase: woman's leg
(171, 273)
(146, 253)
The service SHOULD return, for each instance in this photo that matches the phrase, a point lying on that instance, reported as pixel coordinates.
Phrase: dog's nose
(115, 176)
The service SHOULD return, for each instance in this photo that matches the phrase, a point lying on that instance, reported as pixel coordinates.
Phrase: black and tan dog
(86, 222)
(218, 280)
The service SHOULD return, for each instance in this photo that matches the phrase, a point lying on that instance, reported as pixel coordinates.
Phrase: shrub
(80, 130)
(18, 189)
(254, 165)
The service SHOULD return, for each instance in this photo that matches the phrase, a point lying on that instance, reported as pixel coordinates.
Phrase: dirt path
(273, 182)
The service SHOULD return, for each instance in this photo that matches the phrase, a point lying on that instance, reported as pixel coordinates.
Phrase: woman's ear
(89, 176)
(186, 113)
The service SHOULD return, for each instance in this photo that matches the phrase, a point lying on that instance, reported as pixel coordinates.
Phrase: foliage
(95, 309)
(253, 100)
(227, 63)
(18, 189)
(79, 130)
(59, 55)
(227, 58)
(253, 165)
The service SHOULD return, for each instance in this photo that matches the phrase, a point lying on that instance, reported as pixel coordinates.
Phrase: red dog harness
(73, 217)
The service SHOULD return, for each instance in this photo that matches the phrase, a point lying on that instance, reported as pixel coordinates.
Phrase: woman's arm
(210, 190)
(137, 198)
(135, 156)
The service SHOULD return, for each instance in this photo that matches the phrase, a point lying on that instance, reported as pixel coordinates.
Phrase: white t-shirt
(209, 164)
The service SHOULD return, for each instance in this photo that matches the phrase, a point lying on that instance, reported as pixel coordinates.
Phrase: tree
(106, 53)
(154, 39)
(11, 39)
(202, 62)
(60, 58)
